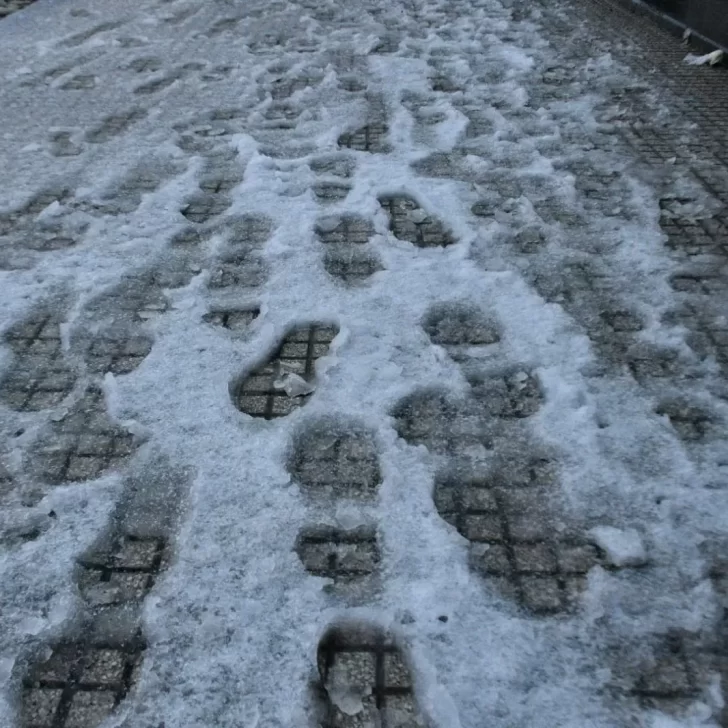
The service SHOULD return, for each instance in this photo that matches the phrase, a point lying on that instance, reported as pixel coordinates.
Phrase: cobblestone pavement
(362, 365)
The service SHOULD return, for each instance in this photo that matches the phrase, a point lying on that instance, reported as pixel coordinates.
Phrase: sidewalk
(363, 364)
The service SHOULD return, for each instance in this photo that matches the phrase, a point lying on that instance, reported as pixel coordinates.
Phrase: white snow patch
(623, 547)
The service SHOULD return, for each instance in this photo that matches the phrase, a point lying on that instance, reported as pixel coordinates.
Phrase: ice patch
(293, 385)
(623, 547)
(709, 59)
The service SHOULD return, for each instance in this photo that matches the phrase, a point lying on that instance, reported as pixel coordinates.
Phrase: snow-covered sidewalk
(347, 378)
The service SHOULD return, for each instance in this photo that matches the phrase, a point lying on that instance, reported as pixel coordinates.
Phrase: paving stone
(351, 266)
(444, 424)
(430, 117)
(114, 125)
(6, 480)
(146, 64)
(45, 244)
(370, 138)
(331, 192)
(512, 395)
(338, 554)
(121, 343)
(21, 217)
(158, 84)
(235, 320)
(122, 573)
(441, 165)
(238, 270)
(82, 36)
(352, 84)
(39, 707)
(341, 260)
(479, 124)
(408, 221)
(130, 41)
(552, 210)
(388, 43)
(61, 145)
(456, 324)
(56, 72)
(188, 237)
(414, 102)
(512, 536)
(349, 229)
(206, 138)
(203, 207)
(504, 184)
(218, 123)
(38, 377)
(707, 320)
(284, 150)
(647, 362)
(88, 709)
(599, 186)
(693, 238)
(248, 231)
(486, 208)
(672, 678)
(334, 458)
(136, 299)
(612, 330)
(681, 665)
(282, 112)
(572, 283)
(706, 283)
(691, 422)
(78, 686)
(220, 181)
(337, 166)
(263, 42)
(285, 87)
(224, 25)
(529, 240)
(193, 143)
(363, 661)
(84, 445)
(444, 84)
(117, 350)
(620, 321)
(258, 395)
(80, 82)
(11, 6)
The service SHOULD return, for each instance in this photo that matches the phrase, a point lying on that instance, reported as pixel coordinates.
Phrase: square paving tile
(124, 573)
(258, 395)
(235, 320)
(347, 229)
(38, 377)
(84, 445)
(351, 266)
(513, 540)
(369, 138)
(372, 666)
(333, 458)
(409, 222)
(338, 554)
(78, 686)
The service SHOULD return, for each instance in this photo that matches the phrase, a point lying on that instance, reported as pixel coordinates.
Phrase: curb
(674, 26)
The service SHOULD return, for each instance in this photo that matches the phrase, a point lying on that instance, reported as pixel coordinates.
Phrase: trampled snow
(233, 624)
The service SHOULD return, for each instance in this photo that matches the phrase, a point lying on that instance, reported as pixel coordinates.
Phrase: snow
(709, 59)
(234, 623)
(622, 547)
